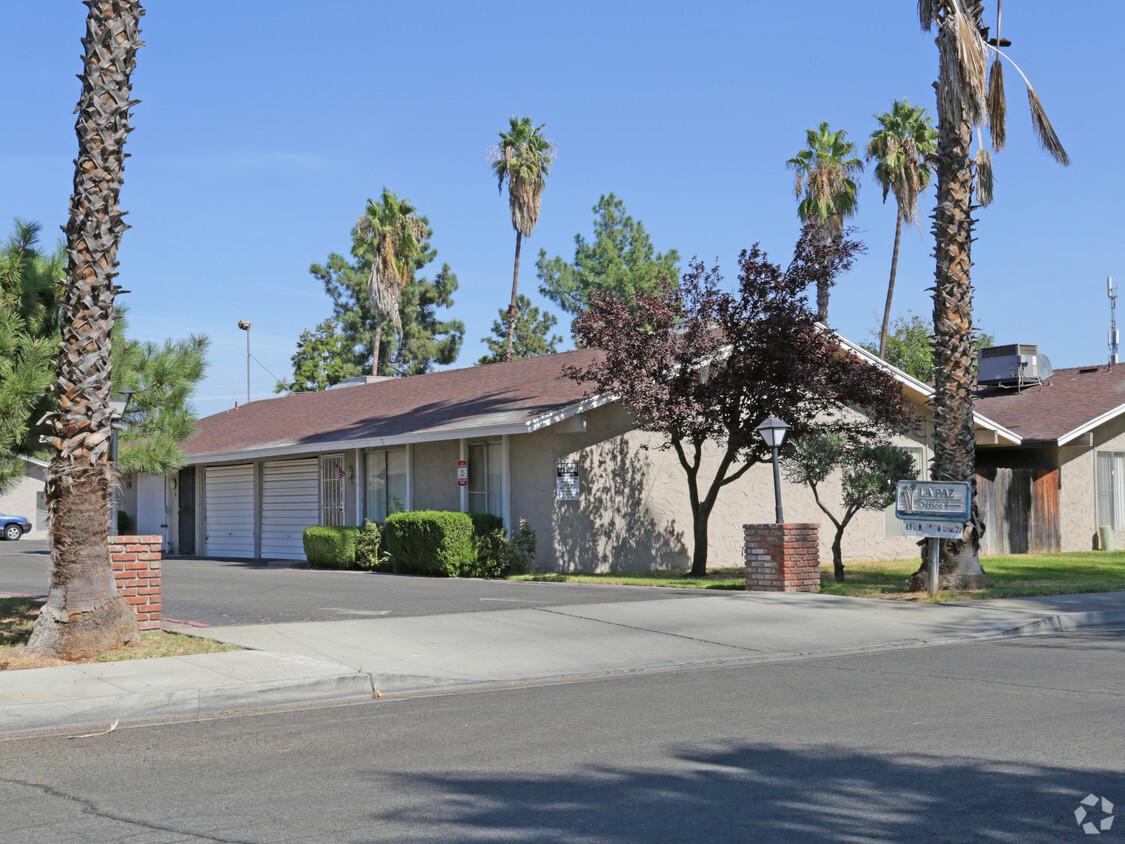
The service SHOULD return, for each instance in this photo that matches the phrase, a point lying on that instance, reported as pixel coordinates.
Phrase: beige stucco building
(518, 434)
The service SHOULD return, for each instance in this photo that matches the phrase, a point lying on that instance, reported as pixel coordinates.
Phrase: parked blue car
(13, 527)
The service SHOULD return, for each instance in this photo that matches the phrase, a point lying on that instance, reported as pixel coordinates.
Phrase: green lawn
(1016, 576)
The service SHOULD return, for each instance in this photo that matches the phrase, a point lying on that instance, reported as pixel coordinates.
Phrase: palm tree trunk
(512, 307)
(84, 614)
(890, 291)
(954, 437)
(375, 348)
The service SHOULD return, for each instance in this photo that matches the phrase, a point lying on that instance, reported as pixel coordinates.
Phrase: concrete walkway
(338, 660)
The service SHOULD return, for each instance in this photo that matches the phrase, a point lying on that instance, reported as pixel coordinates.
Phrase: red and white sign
(462, 473)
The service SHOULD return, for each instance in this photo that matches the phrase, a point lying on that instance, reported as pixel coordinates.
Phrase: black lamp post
(773, 432)
(118, 405)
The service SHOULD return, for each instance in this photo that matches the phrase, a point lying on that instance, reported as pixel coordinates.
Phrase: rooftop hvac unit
(1012, 366)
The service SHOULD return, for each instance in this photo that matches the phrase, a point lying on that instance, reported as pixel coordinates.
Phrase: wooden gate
(1020, 509)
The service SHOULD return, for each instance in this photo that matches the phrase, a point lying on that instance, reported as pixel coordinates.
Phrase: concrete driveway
(207, 592)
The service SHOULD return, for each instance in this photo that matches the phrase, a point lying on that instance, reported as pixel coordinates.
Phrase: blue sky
(264, 127)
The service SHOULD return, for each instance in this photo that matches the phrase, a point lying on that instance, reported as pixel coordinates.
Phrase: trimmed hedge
(330, 547)
(489, 542)
(430, 542)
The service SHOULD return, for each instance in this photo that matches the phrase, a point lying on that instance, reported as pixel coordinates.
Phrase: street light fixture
(244, 324)
(118, 405)
(773, 432)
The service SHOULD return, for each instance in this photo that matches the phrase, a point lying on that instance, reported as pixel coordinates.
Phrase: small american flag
(337, 473)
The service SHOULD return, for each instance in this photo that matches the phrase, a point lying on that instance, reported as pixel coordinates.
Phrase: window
(1111, 489)
(385, 485)
(486, 478)
(892, 523)
(332, 490)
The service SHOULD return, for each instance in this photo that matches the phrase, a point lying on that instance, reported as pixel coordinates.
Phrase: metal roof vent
(1016, 365)
(361, 380)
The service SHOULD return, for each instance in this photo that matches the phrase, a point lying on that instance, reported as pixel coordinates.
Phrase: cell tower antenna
(1113, 338)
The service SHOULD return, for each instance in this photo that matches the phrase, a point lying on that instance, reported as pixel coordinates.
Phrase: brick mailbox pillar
(136, 568)
(782, 558)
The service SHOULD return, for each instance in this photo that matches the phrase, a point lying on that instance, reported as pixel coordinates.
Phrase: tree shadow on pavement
(758, 792)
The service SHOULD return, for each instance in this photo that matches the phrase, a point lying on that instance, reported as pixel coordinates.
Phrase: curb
(180, 703)
(1064, 622)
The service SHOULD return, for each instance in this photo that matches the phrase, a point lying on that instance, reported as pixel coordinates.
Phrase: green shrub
(430, 542)
(489, 541)
(520, 550)
(370, 548)
(330, 547)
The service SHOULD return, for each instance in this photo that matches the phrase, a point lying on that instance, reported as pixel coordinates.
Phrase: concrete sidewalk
(336, 660)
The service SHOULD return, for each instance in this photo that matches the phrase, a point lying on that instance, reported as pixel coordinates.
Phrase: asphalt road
(215, 592)
(992, 741)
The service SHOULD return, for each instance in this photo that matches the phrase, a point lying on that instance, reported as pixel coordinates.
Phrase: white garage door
(230, 510)
(289, 505)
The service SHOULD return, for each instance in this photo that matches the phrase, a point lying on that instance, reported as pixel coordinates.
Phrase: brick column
(782, 558)
(136, 567)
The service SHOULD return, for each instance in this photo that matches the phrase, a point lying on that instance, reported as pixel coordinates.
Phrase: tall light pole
(773, 432)
(118, 405)
(244, 324)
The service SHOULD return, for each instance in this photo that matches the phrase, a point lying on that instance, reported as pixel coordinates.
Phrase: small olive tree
(869, 476)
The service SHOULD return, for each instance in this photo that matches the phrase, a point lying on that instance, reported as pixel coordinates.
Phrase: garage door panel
(290, 503)
(229, 512)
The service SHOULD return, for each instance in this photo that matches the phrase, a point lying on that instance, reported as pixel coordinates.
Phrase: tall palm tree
(523, 157)
(901, 146)
(84, 614)
(968, 95)
(825, 184)
(390, 235)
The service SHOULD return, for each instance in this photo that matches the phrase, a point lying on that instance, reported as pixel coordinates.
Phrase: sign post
(934, 509)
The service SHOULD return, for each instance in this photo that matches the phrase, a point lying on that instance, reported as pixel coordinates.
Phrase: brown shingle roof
(497, 395)
(1069, 401)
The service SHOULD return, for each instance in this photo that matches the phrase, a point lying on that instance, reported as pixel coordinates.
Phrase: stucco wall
(1078, 498)
(435, 476)
(634, 511)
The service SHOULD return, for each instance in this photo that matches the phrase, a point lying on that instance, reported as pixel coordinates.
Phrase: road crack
(89, 808)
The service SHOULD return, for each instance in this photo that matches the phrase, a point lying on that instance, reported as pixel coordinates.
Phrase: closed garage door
(230, 510)
(289, 505)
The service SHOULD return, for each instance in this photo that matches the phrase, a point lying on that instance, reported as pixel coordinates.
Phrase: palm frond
(983, 162)
(997, 108)
(926, 11)
(1043, 128)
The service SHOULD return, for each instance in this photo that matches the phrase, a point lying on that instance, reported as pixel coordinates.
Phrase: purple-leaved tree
(704, 367)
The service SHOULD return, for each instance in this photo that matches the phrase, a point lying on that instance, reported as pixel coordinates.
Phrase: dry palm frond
(997, 109)
(962, 83)
(983, 162)
(1043, 128)
(926, 9)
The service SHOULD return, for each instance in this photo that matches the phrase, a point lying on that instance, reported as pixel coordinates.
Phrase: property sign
(933, 501)
(462, 473)
(566, 481)
(941, 530)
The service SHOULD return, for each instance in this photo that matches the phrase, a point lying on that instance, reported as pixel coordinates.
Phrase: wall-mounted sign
(566, 481)
(933, 501)
(462, 473)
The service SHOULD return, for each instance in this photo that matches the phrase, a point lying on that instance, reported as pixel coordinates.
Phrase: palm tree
(523, 157)
(825, 185)
(390, 235)
(84, 614)
(968, 95)
(901, 145)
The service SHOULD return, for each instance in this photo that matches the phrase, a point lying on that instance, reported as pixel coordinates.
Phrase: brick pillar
(136, 567)
(782, 558)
